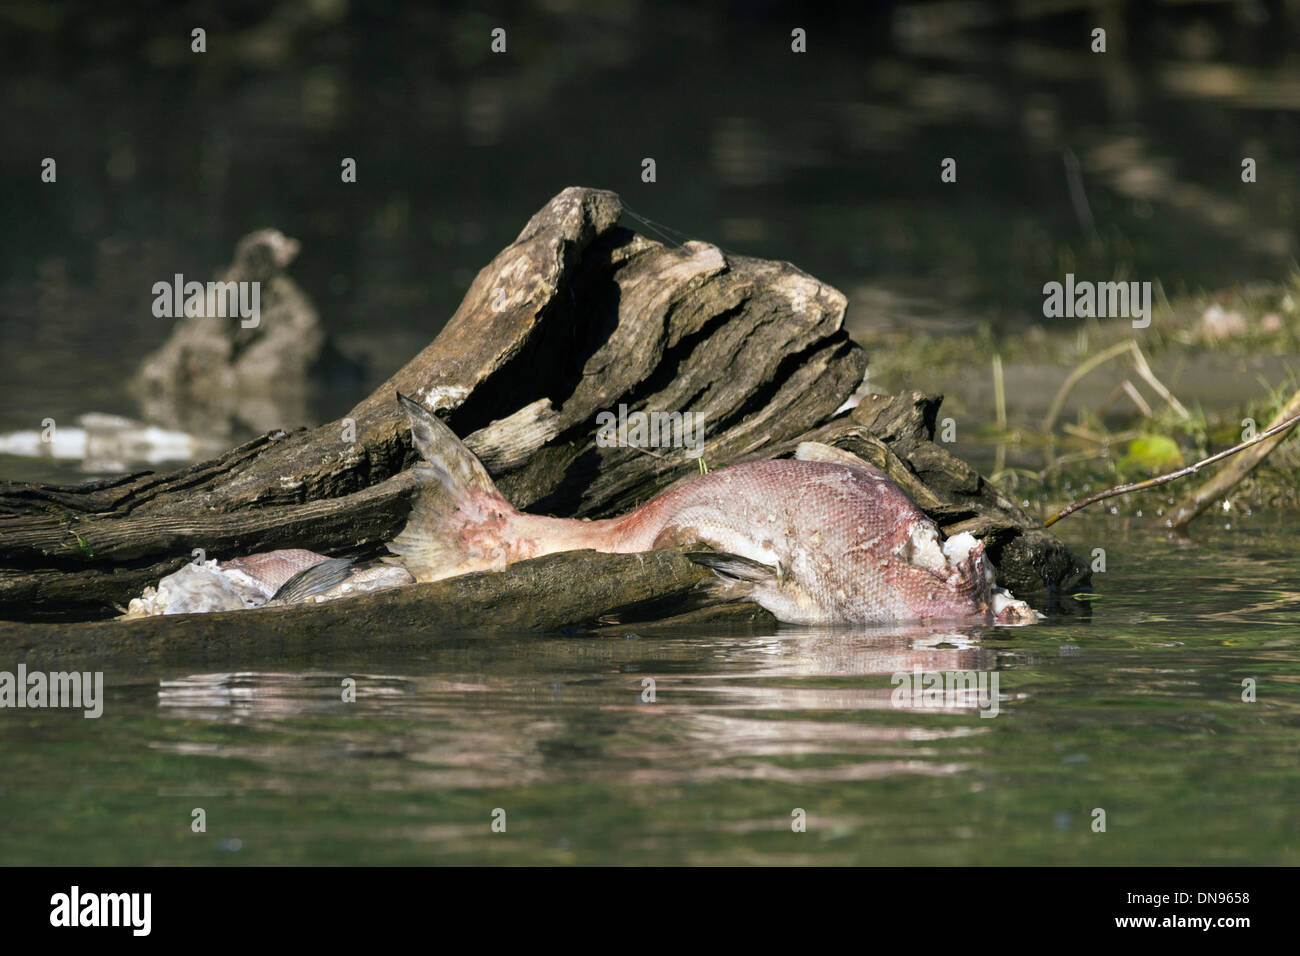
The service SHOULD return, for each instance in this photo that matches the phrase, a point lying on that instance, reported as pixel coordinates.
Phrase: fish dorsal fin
(317, 579)
(828, 454)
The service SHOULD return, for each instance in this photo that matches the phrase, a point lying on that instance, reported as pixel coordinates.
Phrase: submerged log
(578, 316)
(573, 589)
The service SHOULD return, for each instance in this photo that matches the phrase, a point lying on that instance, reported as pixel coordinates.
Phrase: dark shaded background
(829, 159)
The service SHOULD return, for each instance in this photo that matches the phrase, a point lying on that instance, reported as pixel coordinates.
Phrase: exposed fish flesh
(290, 576)
(823, 538)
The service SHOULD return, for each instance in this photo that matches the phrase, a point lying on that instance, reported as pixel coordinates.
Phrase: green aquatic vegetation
(1150, 454)
(1143, 428)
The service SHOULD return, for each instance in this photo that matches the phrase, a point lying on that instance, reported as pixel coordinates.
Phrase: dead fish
(268, 579)
(273, 569)
(824, 538)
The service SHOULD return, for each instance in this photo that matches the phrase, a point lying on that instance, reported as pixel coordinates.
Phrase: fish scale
(822, 538)
(839, 542)
(274, 568)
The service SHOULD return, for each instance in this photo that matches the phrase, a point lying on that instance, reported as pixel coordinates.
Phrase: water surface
(1136, 710)
(1122, 166)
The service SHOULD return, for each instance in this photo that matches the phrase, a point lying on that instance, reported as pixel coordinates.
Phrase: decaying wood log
(211, 372)
(579, 588)
(578, 316)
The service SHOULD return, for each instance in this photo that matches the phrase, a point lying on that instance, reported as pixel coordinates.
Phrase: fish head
(929, 579)
(950, 580)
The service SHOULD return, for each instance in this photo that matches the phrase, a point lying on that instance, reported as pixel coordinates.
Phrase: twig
(1173, 475)
(1100, 411)
(999, 393)
(1061, 460)
(1119, 348)
(1131, 391)
(1144, 369)
(1078, 431)
(1224, 481)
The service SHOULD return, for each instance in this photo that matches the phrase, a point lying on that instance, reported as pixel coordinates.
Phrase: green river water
(1136, 710)
(829, 160)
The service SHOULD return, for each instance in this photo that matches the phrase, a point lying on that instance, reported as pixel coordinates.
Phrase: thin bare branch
(1144, 369)
(1173, 475)
(1131, 391)
(1074, 377)
(1226, 480)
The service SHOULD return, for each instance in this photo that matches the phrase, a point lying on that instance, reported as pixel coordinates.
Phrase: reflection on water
(719, 712)
(106, 444)
(252, 695)
(1138, 711)
(1122, 166)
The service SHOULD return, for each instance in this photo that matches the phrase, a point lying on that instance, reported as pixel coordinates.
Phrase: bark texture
(579, 315)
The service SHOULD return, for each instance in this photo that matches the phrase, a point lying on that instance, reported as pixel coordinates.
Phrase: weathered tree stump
(578, 316)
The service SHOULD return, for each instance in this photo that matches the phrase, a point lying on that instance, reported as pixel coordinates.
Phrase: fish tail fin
(456, 517)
